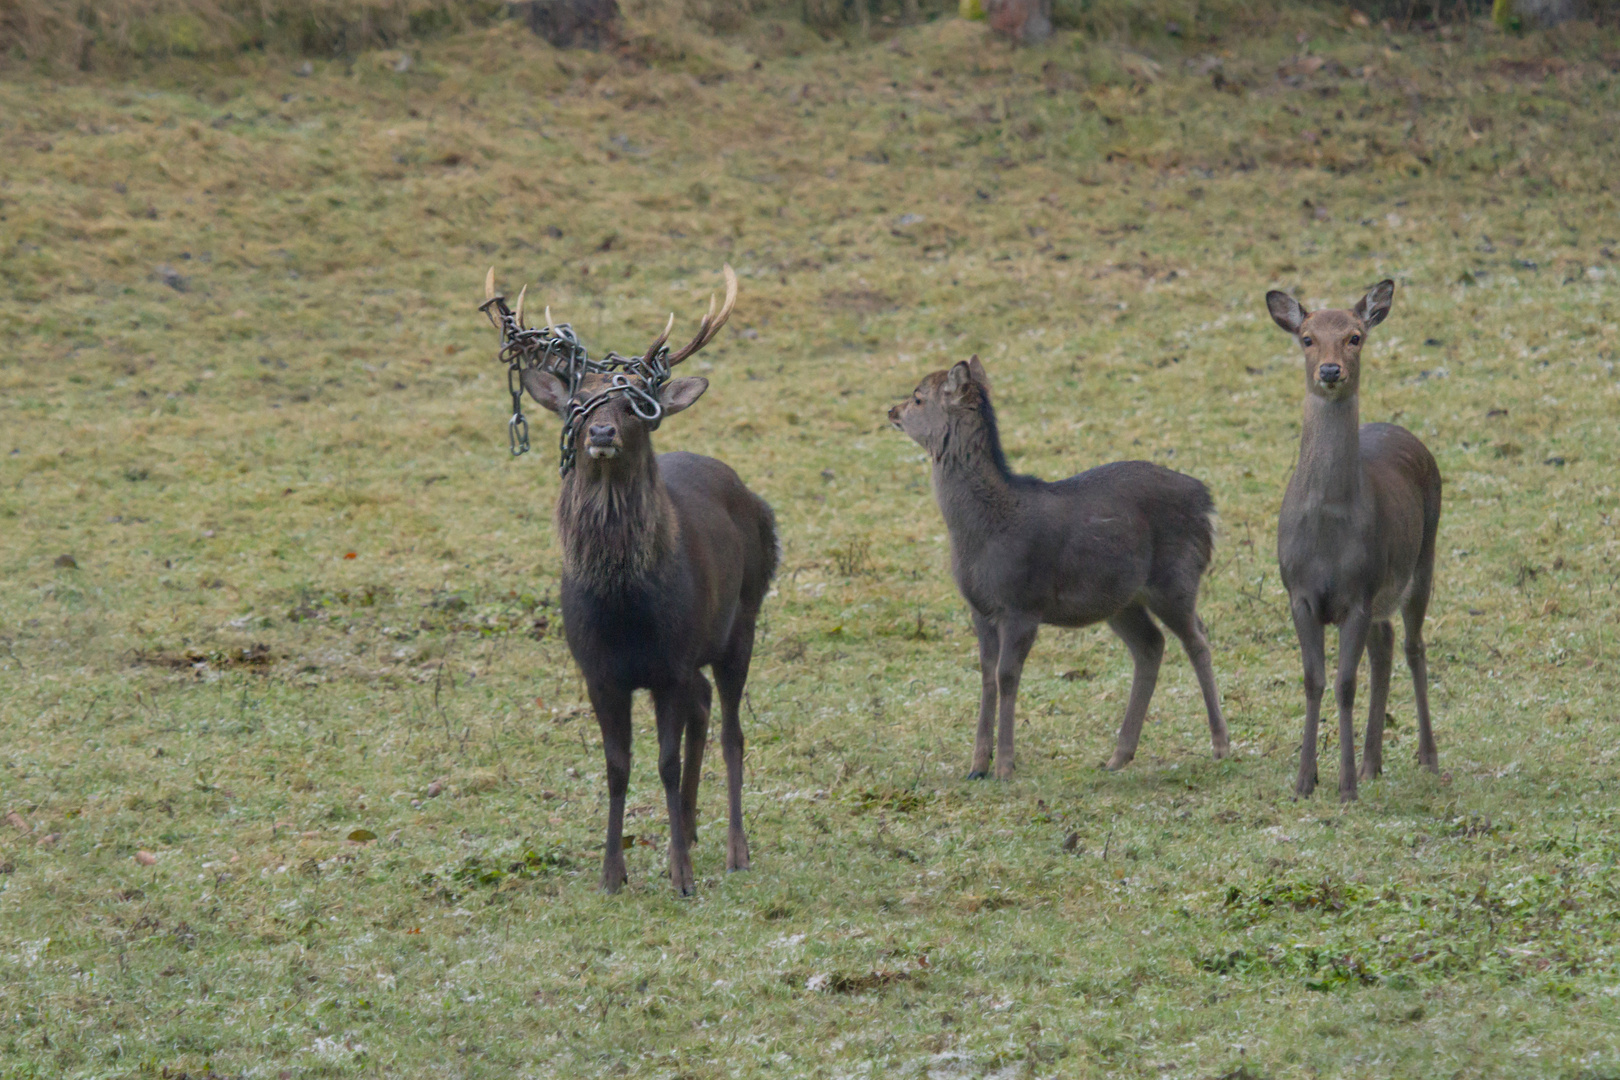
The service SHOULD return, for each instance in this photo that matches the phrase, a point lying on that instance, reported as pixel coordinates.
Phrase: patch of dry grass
(239, 345)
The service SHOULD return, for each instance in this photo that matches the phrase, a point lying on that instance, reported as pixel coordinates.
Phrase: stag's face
(613, 437)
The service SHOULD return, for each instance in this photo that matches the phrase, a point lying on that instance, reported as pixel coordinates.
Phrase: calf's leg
(1017, 637)
(1183, 621)
(1135, 627)
(989, 653)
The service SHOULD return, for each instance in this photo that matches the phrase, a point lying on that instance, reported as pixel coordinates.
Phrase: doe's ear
(1372, 308)
(1286, 312)
(976, 369)
(545, 388)
(681, 393)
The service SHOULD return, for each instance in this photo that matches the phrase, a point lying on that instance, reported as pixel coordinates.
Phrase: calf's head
(1332, 339)
(940, 403)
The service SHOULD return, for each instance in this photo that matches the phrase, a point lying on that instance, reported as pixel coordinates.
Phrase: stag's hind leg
(673, 705)
(697, 735)
(1135, 627)
(1380, 658)
(1182, 620)
(730, 677)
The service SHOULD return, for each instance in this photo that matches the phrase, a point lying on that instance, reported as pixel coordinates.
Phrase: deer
(666, 560)
(1355, 537)
(1120, 543)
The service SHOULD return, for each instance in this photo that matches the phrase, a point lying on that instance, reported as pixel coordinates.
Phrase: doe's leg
(673, 705)
(1352, 642)
(730, 678)
(1136, 628)
(1380, 658)
(989, 654)
(1417, 661)
(1017, 637)
(1313, 657)
(612, 707)
(697, 736)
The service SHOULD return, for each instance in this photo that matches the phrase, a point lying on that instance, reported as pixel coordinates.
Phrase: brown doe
(1355, 538)
(666, 561)
(1113, 543)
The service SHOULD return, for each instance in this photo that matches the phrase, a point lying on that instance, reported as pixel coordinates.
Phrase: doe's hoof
(1119, 761)
(978, 774)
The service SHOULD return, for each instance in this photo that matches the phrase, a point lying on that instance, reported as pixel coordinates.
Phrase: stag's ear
(1372, 308)
(545, 388)
(681, 394)
(1285, 311)
(976, 369)
(957, 379)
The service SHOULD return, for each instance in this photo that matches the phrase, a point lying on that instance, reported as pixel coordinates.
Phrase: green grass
(219, 683)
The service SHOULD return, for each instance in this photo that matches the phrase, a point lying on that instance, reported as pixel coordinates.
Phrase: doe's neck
(1330, 449)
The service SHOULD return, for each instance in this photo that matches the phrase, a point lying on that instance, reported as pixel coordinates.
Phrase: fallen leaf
(48, 839)
(66, 562)
(361, 836)
(434, 789)
(145, 858)
(18, 822)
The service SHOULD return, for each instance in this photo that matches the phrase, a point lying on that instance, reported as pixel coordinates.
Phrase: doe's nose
(894, 414)
(602, 433)
(1329, 373)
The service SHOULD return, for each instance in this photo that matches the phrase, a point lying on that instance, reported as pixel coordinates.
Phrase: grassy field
(269, 579)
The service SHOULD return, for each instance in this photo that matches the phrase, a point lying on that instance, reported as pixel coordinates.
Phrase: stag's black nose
(1329, 373)
(602, 434)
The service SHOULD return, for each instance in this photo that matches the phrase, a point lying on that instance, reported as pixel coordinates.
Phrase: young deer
(666, 561)
(1355, 539)
(1113, 543)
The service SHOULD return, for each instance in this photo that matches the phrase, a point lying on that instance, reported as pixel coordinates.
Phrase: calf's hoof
(1347, 794)
(1222, 750)
(1430, 762)
(1120, 760)
(978, 774)
(612, 881)
(737, 856)
(1370, 770)
(1304, 787)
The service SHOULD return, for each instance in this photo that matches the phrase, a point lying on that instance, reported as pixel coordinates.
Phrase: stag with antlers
(666, 559)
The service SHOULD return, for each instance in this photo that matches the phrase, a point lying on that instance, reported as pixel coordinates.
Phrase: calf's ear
(1286, 312)
(681, 393)
(957, 379)
(976, 369)
(545, 388)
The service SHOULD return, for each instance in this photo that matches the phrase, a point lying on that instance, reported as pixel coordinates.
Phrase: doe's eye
(1307, 342)
(1355, 339)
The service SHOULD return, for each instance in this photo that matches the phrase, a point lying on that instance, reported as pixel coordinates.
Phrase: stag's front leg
(612, 707)
(672, 705)
(1352, 643)
(1017, 637)
(989, 653)
(1311, 651)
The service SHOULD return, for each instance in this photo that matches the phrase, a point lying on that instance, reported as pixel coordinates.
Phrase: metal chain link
(557, 350)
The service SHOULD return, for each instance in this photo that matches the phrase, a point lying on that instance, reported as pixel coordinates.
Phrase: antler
(711, 324)
(489, 285)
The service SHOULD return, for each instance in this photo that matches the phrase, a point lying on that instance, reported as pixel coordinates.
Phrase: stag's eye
(1355, 339)
(1306, 341)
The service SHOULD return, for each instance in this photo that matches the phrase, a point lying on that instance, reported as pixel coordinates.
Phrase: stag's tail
(769, 540)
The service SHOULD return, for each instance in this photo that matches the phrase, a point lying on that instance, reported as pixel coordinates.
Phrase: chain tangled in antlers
(556, 349)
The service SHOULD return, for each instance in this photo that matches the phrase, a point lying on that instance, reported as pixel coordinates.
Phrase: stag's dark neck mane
(615, 525)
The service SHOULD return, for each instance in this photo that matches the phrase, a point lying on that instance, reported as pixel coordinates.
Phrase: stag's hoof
(1430, 762)
(1370, 769)
(1004, 774)
(1119, 761)
(737, 855)
(1304, 787)
(612, 883)
(978, 774)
